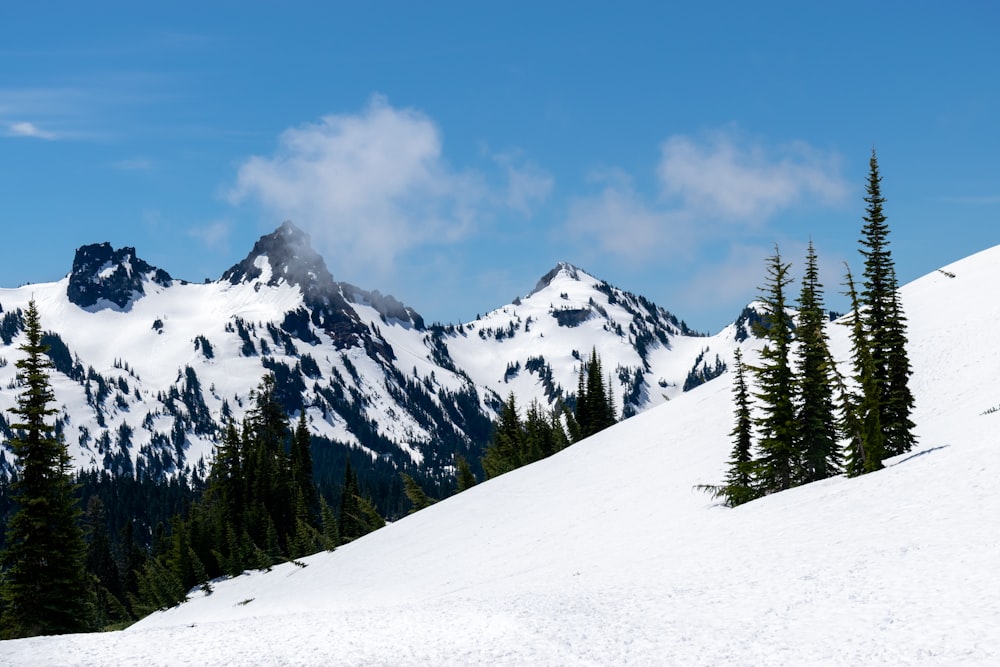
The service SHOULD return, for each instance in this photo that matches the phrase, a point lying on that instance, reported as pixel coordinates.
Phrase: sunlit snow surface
(605, 554)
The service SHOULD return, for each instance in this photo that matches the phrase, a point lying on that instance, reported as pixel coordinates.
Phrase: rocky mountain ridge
(148, 369)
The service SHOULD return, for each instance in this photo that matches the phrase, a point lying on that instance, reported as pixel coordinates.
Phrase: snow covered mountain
(149, 368)
(606, 553)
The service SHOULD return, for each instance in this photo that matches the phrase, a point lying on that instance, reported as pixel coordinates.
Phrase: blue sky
(451, 153)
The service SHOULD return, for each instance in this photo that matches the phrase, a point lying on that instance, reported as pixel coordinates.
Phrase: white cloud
(26, 129)
(735, 181)
(527, 183)
(214, 235)
(366, 186)
(619, 221)
(710, 189)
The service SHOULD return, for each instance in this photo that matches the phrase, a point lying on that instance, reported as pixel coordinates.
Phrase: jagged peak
(386, 305)
(291, 257)
(562, 268)
(117, 276)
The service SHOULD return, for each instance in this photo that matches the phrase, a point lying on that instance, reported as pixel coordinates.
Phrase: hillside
(605, 554)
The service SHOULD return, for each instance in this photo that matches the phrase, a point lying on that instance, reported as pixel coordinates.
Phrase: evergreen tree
(102, 567)
(506, 449)
(739, 486)
(418, 499)
(816, 420)
(595, 407)
(46, 588)
(464, 477)
(357, 514)
(331, 536)
(300, 459)
(884, 321)
(861, 411)
(898, 399)
(778, 455)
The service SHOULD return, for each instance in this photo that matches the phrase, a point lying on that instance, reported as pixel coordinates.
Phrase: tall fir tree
(884, 322)
(898, 398)
(816, 417)
(506, 449)
(861, 421)
(46, 588)
(595, 406)
(778, 458)
(301, 462)
(740, 480)
(464, 477)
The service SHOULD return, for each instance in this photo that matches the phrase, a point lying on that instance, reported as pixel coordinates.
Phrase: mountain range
(608, 553)
(149, 368)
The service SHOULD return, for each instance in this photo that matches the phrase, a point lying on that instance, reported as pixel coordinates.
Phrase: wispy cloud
(620, 221)
(527, 184)
(26, 129)
(720, 185)
(733, 179)
(214, 235)
(370, 185)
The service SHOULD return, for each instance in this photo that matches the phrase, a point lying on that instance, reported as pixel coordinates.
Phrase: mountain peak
(572, 272)
(291, 257)
(102, 273)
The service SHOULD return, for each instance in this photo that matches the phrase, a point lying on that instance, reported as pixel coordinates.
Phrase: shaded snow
(605, 554)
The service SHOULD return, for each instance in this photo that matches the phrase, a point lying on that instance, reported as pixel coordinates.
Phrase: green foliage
(357, 514)
(815, 417)
(418, 499)
(46, 588)
(884, 322)
(595, 407)
(777, 390)
(740, 486)
(260, 508)
(464, 477)
(861, 421)
(518, 442)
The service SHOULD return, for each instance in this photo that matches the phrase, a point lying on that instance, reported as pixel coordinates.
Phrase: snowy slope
(605, 554)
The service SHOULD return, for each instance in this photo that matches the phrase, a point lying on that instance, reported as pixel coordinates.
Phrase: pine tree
(464, 477)
(884, 322)
(861, 413)
(506, 449)
(595, 407)
(418, 498)
(778, 456)
(899, 400)
(331, 536)
(739, 486)
(300, 460)
(46, 588)
(816, 420)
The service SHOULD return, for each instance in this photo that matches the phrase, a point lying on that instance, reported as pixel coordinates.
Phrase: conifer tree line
(517, 442)
(801, 409)
(259, 507)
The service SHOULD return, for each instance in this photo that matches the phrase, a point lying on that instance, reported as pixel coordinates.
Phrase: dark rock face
(293, 261)
(101, 272)
(386, 305)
